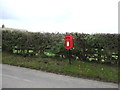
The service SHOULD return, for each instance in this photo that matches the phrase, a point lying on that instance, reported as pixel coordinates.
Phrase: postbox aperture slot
(67, 38)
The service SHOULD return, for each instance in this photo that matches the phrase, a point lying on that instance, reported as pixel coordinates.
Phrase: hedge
(101, 48)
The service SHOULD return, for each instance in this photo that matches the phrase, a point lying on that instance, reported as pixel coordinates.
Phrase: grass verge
(58, 65)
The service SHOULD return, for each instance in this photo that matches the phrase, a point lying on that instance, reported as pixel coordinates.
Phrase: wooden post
(69, 56)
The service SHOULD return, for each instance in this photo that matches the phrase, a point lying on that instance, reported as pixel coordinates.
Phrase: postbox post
(69, 45)
(69, 56)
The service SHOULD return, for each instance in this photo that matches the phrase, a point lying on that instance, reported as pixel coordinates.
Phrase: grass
(59, 65)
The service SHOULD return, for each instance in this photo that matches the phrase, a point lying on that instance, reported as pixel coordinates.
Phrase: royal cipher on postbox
(68, 41)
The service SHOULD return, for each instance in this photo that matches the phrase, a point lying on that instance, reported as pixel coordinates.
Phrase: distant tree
(3, 26)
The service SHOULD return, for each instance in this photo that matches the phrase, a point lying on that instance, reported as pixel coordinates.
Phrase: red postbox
(68, 41)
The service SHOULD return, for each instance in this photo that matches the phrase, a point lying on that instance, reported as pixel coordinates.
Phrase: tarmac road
(18, 77)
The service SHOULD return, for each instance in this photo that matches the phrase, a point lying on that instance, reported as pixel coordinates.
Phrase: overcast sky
(83, 16)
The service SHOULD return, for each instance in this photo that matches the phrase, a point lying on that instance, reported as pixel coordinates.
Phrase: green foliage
(24, 41)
